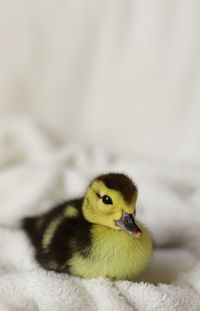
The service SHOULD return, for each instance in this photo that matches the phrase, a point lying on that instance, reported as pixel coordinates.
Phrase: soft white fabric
(123, 73)
(36, 173)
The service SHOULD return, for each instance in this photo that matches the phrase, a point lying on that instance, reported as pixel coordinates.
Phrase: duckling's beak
(127, 223)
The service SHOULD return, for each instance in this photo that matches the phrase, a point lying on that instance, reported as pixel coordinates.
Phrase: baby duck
(96, 235)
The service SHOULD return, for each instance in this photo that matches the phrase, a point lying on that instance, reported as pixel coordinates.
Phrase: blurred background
(124, 75)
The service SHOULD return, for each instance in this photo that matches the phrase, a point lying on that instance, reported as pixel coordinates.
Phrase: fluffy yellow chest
(114, 253)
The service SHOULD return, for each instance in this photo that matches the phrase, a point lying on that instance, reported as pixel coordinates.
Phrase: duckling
(96, 235)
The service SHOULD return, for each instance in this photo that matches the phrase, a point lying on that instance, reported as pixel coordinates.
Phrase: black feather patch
(119, 182)
(71, 236)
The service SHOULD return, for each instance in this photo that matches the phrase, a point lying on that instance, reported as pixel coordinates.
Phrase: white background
(119, 74)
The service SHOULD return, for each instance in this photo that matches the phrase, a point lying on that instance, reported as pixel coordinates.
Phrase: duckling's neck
(103, 233)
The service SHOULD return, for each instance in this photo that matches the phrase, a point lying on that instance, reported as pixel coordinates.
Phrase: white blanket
(36, 172)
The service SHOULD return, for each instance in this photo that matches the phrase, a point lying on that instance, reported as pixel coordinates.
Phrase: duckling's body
(114, 254)
(67, 239)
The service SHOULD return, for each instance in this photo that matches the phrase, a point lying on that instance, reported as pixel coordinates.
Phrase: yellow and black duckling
(96, 235)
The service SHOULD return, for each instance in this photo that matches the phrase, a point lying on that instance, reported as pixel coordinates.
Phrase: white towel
(36, 173)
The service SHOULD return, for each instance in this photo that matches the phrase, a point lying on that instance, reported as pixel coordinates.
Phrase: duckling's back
(58, 234)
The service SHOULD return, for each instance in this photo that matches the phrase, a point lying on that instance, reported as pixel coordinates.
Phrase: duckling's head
(110, 201)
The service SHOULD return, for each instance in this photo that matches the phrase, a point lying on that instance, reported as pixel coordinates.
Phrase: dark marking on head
(119, 182)
(98, 195)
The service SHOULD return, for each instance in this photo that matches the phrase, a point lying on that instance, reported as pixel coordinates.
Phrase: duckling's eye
(106, 199)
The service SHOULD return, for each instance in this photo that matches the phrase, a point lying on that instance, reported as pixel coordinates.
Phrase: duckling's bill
(128, 224)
